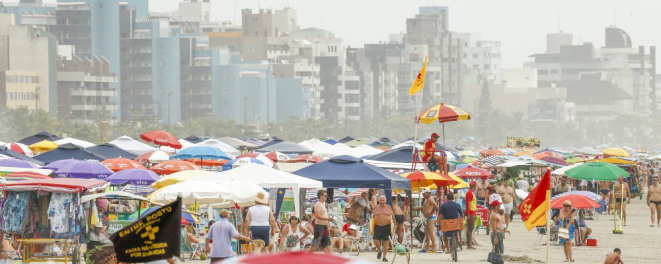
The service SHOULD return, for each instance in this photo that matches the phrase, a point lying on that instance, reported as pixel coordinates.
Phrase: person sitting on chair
(98, 236)
(430, 153)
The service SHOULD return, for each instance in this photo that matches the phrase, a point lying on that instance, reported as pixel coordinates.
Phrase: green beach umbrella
(600, 171)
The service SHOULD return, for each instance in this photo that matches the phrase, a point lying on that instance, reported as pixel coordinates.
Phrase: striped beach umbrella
(24, 175)
(443, 113)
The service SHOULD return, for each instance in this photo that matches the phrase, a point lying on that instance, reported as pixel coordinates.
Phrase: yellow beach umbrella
(461, 185)
(42, 146)
(443, 113)
(180, 177)
(613, 160)
(617, 152)
(428, 179)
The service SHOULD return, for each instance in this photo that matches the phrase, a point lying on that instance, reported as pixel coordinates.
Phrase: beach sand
(639, 243)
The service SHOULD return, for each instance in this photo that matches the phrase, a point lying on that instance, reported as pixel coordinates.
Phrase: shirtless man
(614, 257)
(383, 219)
(356, 211)
(429, 211)
(622, 198)
(482, 190)
(496, 225)
(509, 200)
(321, 234)
(654, 200)
(399, 220)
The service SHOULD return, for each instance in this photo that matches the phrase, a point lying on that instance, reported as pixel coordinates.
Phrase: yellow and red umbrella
(428, 179)
(443, 113)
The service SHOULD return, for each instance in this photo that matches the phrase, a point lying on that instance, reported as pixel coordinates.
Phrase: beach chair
(187, 248)
(394, 248)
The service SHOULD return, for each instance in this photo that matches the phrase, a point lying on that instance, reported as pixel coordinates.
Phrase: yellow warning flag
(419, 81)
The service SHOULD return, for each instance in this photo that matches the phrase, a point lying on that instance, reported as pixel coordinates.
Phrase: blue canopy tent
(110, 151)
(194, 139)
(272, 141)
(346, 139)
(8, 152)
(402, 154)
(350, 172)
(67, 151)
(41, 136)
(331, 141)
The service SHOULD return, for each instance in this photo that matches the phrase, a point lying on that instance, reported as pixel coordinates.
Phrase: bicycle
(455, 226)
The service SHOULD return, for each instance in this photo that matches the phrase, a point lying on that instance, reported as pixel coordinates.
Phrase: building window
(475, 55)
(161, 48)
(160, 63)
(225, 76)
(225, 90)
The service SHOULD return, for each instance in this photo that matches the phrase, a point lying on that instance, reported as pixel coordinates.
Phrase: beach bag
(563, 233)
(495, 258)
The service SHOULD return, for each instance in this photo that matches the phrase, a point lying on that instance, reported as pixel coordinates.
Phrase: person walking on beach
(508, 195)
(622, 195)
(383, 218)
(218, 244)
(429, 211)
(654, 200)
(399, 220)
(496, 225)
(471, 214)
(261, 220)
(566, 219)
(321, 233)
(614, 257)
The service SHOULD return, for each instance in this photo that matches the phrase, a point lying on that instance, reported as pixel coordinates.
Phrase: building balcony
(93, 107)
(94, 93)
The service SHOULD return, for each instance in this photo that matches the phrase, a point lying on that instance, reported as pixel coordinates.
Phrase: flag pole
(548, 224)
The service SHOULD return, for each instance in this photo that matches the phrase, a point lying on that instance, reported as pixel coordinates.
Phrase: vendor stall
(46, 217)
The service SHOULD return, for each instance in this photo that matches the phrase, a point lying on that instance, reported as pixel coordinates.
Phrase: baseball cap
(473, 183)
(353, 227)
(495, 203)
(434, 135)
(426, 190)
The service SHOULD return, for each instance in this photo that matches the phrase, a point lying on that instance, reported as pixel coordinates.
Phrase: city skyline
(519, 40)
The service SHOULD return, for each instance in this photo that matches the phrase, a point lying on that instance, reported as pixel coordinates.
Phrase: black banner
(101, 255)
(154, 236)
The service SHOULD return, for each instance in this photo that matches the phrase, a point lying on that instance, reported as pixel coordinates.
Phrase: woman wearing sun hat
(261, 219)
(566, 220)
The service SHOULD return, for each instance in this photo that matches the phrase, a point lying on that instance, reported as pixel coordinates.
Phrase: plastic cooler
(592, 242)
(483, 213)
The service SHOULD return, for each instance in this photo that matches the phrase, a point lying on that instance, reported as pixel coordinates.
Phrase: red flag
(534, 208)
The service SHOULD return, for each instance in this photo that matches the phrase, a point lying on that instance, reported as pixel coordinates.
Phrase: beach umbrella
(83, 170)
(428, 178)
(207, 163)
(131, 145)
(555, 161)
(306, 158)
(24, 175)
(491, 152)
(220, 145)
(241, 161)
(56, 165)
(243, 192)
(600, 171)
(42, 146)
(619, 161)
(178, 177)
(17, 163)
(186, 218)
(110, 151)
(173, 166)
(155, 156)
(161, 138)
(118, 164)
(20, 148)
(295, 258)
(276, 156)
(617, 152)
(593, 196)
(575, 160)
(193, 192)
(201, 152)
(461, 183)
(133, 176)
(469, 153)
(577, 202)
(137, 189)
(260, 156)
(562, 170)
(443, 113)
(470, 172)
(237, 143)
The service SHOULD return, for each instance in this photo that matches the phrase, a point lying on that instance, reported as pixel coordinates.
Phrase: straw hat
(98, 224)
(225, 213)
(567, 202)
(261, 198)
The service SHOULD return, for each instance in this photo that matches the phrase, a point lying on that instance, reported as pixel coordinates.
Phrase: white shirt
(259, 215)
(522, 185)
(496, 197)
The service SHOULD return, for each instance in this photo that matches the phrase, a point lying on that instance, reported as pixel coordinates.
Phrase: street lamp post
(169, 94)
(245, 112)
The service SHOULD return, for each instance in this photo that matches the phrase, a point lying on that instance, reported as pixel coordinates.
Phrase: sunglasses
(293, 219)
(568, 206)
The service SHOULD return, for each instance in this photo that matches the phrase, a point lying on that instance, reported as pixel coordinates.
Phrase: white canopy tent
(132, 145)
(365, 150)
(315, 144)
(77, 142)
(265, 177)
(221, 145)
(193, 191)
(335, 150)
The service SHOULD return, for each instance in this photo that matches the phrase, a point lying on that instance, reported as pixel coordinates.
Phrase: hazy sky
(521, 25)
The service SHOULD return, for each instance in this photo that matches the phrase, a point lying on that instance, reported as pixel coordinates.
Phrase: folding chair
(396, 253)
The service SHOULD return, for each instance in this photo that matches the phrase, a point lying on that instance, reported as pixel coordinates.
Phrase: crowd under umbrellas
(229, 172)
